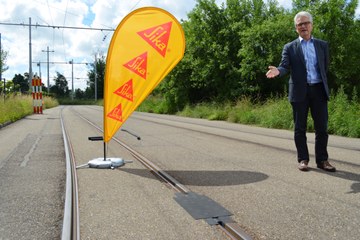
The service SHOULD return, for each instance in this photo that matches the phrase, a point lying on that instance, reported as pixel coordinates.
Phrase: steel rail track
(71, 222)
(231, 229)
(342, 146)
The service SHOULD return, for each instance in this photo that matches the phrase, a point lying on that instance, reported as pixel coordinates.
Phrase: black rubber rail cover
(200, 206)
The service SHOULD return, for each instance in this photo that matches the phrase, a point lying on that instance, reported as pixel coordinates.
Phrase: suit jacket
(293, 61)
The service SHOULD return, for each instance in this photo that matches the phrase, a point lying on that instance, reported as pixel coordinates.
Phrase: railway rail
(71, 222)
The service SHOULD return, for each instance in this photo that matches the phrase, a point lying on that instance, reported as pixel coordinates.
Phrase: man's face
(304, 27)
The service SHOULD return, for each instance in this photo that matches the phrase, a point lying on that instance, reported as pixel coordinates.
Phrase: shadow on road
(207, 178)
(355, 187)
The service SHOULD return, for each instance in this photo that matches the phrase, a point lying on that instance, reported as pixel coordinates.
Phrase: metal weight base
(111, 163)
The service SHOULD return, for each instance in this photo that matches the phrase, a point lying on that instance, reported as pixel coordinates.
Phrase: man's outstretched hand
(273, 72)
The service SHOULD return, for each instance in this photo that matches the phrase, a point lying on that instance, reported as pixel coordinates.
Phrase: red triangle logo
(138, 65)
(116, 113)
(126, 91)
(157, 37)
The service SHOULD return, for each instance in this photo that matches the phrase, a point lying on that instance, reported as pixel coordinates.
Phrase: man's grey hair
(303, 14)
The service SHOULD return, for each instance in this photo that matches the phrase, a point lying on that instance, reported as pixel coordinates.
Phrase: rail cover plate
(200, 206)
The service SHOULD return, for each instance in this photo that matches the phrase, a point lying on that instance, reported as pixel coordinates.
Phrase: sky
(65, 45)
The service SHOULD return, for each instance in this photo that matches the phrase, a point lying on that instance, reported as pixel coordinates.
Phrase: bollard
(37, 95)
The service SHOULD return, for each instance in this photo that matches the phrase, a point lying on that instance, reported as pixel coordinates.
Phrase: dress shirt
(312, 67)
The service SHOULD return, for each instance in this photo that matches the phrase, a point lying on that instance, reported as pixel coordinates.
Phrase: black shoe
(325, 165)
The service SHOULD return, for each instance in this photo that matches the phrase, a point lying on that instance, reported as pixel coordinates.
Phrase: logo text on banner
(126, 91)
(138, 65)
(158, 37)
(116, 113)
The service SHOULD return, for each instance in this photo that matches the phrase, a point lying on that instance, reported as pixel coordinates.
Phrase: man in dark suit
(307, 60)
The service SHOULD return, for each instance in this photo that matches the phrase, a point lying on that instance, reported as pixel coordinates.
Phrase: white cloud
(285, 3)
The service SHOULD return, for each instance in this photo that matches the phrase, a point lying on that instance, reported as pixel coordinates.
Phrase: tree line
(229, 47)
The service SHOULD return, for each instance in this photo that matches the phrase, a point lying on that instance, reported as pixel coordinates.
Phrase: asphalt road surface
(250, 171)
(32, 177)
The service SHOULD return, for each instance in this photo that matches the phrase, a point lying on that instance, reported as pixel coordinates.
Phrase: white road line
(27, 156)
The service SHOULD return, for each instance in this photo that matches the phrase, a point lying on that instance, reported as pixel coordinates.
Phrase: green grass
(15, 107)
(344, 114)
(154, 104)
(275, 113)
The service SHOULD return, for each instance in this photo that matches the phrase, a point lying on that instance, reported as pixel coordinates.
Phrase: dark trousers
(317, 103)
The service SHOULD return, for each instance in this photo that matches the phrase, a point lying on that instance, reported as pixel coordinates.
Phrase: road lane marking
(27, 156)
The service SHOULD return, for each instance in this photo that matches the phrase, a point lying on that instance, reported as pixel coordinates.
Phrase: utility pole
(30, 55)
(0, 60)
(48, 75)
(38, 64)
(1, 68)
(72, 79)
(4, 89)
(95, 77)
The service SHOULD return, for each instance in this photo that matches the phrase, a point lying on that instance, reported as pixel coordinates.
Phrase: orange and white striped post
(37, 95)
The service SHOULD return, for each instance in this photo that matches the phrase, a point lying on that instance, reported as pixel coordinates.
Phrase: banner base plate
(111, 163)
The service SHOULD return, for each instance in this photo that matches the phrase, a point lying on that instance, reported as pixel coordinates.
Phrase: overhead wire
(62, 34)
(135, 5)
(52, 21)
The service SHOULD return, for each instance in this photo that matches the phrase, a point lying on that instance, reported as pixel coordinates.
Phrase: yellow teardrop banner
(145, 47)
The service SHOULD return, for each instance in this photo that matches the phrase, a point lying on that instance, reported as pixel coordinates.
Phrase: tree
(100, 73)
(60, 89)
(223, 61)
(337, 24)
(20, 83)
(3, 67)
(79, 94)
(3, 57)
(9, 86)
(262, 46)
(207, 62)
